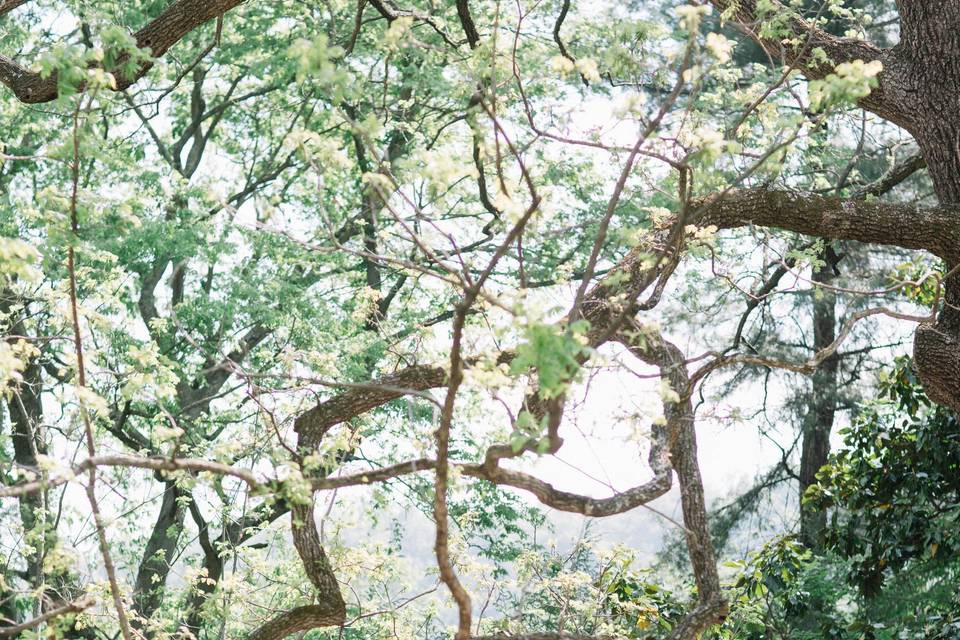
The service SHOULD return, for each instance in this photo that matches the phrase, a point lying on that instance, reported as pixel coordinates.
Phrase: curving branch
(801, 45)
(892, 178)
(313, 424)
(295, 620)
(647, 344)
(6, 6)
(798, 52)
(658, 459)
(330, 610)
(608, 303)
(179, 19)
(306, 540)
(557, 26)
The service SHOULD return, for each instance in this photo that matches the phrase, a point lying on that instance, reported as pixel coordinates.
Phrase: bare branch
(120, 460)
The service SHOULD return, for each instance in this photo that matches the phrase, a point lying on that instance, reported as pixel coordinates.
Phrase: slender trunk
(26, 418)
(25, 408)
(818, 423)
(159, 553)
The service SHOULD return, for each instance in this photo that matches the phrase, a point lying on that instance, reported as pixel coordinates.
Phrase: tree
(889, 520)
(257, 253)
(888, 563)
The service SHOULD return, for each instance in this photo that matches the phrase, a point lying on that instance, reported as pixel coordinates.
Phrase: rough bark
(306, 539)
(919, 89)
(932, 229)
(296, 620)
(312, 424)
(929, 52)
(931, 48)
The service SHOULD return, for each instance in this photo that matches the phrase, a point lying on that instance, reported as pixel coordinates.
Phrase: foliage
(313, 247)
(893, 488)
(890, 558)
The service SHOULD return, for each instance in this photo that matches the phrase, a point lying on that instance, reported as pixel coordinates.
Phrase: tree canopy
(264, 259)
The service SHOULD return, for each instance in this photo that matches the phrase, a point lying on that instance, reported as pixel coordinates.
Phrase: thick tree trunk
(931, 48)
(921, 83)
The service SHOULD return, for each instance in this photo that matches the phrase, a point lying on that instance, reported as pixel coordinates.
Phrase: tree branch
(892, 178)
(6, 6)
(293, 621)
(179, 19)
(933, 229)
(73, 607)
(313, 424)
(466, 21)
(797, 49)
(647, 344)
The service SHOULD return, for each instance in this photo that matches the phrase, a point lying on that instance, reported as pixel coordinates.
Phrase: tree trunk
(25, 408)
(161, 547)
(818, 423)
(931, 47)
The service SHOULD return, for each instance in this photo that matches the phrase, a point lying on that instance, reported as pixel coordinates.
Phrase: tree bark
(930, 45)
